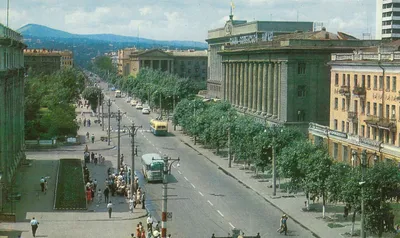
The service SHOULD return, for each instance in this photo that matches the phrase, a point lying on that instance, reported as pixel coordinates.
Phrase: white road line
(210, 203)
(179, 172)
(201, 194)
(186, 179)
(233, 227)
(173, 166)
(193, 185)
(222, 215)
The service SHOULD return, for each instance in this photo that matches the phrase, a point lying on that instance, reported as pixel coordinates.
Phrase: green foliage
(48, 104)
(92, 94)
(103, 63)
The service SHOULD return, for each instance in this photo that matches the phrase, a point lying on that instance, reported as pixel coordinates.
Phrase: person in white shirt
(109, 208)
(149, 222)
(131, 206)
(34, 225)
(42, 180)
(99, 193)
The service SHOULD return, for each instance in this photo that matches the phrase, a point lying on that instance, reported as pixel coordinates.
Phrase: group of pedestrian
(86, 122)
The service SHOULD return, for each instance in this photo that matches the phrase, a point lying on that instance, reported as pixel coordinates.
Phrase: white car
(146, 110)
(128, 100)
(133, 103)
(139, 106)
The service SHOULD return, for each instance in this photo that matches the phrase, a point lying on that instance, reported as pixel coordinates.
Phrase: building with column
(42, 60)
(387, 19)
(284, 81)
(242, 32)
(190, 63)
(124, 67)
(364, 106)
(12, 142)
(67, 59)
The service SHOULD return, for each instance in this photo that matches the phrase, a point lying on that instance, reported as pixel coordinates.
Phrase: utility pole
(229, 147)
(109, 120)
(165, 199)
(119, 140)
(160, 107)
(273, 168)
(133, 132)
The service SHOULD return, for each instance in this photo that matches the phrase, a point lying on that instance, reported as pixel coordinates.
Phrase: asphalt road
(202, 198)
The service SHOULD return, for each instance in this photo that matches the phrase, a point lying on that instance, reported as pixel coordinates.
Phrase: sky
(185, 19)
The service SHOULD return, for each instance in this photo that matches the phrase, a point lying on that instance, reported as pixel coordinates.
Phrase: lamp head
(178, 165)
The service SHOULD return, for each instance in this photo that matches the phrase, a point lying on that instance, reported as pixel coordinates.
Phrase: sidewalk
(290, 204)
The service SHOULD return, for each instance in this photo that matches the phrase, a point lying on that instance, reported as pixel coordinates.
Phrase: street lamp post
(133, 131)
(102, 112)
(273, 168)
(167, 170)
(119, 140)
(109, 119)
(363, 165)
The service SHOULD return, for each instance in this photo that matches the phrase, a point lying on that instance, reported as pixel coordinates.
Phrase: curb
(247, 186)
(101, 149)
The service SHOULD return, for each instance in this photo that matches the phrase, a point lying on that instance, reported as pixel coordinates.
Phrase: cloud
(145, 11)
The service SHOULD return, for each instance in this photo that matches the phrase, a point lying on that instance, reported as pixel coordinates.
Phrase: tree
(104, 63)
(92, 94)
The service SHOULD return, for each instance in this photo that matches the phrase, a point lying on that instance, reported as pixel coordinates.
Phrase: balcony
(344, 90)
(381, 123)
(359, 91)
(352, 116)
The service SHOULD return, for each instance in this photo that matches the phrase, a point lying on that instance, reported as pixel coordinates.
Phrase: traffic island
(70, 186)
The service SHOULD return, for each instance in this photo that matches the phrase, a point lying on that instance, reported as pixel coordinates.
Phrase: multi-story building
(42, 60)
(190, 63)
(114, 58)
(387, 19)
(67, 59)
(11, 106)
(365, 108)
(284, 81)
(239, 32)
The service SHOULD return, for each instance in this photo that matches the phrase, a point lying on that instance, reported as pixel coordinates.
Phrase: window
(375, 109)
(381, 135)
(387, 83)
(368, 108)
(394, 83)
(355, 106)
(301, 68)
(355, 80)
(393, 112)
(347, 127)
(301, 91)
(374, 133)
(375, 82)
(342, 126)
(363, 81)
(348, 80)
(343, 104)
(335, 150)
(204, 62)
(368, 81)
(345, 155)
(336, 79)
(363, 130)
(380, 82)
(362, 105)
(189, 62)
(336, 103)
(301, 115)
(335, 124)
(368, 132)
(343, 79)
(387, 111)
(387, 137)
(380, 110)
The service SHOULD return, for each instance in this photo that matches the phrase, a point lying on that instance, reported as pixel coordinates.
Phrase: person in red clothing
(88, 195)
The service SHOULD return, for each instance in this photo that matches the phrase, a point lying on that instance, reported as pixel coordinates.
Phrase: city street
(203, 199)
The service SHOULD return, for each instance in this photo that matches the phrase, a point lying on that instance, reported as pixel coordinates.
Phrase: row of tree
(49, 104)
(308, 166)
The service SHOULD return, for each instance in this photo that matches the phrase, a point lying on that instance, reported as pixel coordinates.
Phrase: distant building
(42, 60)
(387, 19)
(185, 63)
(364, 106)
(12, 124)
(242, 32)
(67, 59)
(114, 58)
(284, 81)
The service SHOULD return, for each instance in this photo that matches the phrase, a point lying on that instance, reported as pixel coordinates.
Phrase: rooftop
(41, 52)
(8, 33)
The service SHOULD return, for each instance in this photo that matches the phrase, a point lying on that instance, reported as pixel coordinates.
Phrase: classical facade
(67, 59)
(242, 32)
(364, 108)
(189, 63)
(284, 81)
(42, 60)
(11, 106)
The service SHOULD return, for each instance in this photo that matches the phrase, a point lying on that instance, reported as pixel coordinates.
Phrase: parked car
(139, 106)
(128, 99)
(113, 89)
(146, 110)
(133, 103)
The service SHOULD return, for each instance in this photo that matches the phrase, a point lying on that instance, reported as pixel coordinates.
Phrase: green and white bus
(152, 167)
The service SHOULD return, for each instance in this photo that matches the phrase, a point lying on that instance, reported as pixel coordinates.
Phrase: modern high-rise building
(12, 124)
(387, 19)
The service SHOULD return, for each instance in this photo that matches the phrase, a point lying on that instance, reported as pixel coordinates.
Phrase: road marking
(222, 215)
(193, 185)
(210, 203)
(179, 172)
(186, 179)
(201, 194)
(173, 166)
(233, 227)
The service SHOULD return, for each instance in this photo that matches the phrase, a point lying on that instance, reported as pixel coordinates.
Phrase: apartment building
(364, 106)
(387, 19)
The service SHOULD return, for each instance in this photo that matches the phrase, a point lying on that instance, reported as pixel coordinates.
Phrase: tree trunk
(353, 221)
(323, 205)
(217, 148)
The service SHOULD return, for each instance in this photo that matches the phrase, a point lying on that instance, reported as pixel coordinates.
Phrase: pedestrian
(92, 138)
(87, 135)
(142, 200)
(95, 184)
(99, 196)
(93, 193)
(45, 186)
(138, 230)
(88, 122)
(95, 160)
(84, 122)
(149, 223)
(92, 157)
(86, 149)
(34, 225)
(131, 201)
(88, 195)
(122, 159)
(106, 192)
(109, 208)
(42, 181)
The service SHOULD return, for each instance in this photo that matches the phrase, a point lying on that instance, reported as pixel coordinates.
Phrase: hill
(87, 46)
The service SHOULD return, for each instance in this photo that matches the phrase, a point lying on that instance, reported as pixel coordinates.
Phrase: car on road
(128, 99)
(139, 106)
(146, 110)
(113, 89)
(133, 103)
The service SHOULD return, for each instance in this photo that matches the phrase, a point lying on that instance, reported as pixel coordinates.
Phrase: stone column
(259, 87)
(151, 64)
(234, 84)
(264, 90)
(226, 81)
(270, 89)
(275, 107)
(250, 87)
(237, 84)
(279, 90)
(241, 85)
(245, 90)
(254, 104)
(172, 66)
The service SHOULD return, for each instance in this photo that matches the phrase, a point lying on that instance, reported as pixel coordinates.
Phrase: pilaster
(254, 104)
(270, 89)
(264, 89)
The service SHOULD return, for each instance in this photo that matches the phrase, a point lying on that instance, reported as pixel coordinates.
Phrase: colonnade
(157, 64)
(253, 86)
